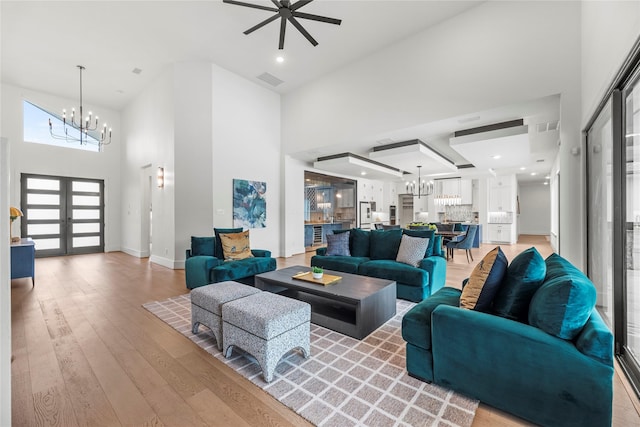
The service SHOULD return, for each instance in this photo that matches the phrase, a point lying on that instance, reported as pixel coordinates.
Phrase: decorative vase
(317, 276)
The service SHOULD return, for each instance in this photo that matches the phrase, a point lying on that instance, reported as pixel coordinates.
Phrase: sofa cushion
(217, 250)
(236, 246)
(243, 268)
(484, 281)
(524, 276)
(361, 242)
(416, 323)
(562, 305)
(596, 340)
(384, 244)
(202, 246)
(346, 264)
(412, 250)
(393, 270)
(338, 244)
(429, 234)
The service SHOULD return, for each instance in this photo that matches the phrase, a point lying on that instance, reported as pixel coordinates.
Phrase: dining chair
(464, 241)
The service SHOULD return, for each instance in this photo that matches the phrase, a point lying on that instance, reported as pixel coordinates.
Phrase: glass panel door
(632, 219)
(600, 209)
(63, 215)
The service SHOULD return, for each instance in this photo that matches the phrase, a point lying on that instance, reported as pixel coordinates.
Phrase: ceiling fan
(286, 12)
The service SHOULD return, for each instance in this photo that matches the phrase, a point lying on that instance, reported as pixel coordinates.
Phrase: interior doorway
(146, 212)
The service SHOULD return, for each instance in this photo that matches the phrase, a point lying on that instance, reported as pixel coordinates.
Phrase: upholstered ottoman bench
(207, 301)
(267, 326)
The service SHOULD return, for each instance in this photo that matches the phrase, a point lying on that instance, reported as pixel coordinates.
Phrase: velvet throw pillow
(202, 246)
(360, 243)
(235, 246)
(412, 250)
(562, 306)
(384, 244)
(484, 281)
(217, 250)
(338, 244)
(524, 276)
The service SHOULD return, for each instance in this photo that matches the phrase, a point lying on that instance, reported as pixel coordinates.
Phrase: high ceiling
(124, 45)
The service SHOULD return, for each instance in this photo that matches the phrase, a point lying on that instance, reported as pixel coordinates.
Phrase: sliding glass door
(631, 171)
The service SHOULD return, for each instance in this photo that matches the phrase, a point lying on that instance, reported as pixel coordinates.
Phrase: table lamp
(13, 214)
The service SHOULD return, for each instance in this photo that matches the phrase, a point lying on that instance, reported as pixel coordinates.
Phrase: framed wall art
(249, 204)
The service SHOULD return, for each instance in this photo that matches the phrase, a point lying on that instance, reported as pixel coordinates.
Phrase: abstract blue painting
(249, 204)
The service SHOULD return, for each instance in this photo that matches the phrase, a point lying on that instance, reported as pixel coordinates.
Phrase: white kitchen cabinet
(500, 233)
(502, 194)
(466, 192)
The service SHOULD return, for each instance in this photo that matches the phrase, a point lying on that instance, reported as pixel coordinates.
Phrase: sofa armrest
(436, 266)
(197, 270)
(321, 251)
(188, 254)
(506, 363)
(262, 253)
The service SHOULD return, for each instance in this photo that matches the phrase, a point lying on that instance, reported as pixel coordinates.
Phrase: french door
(63, 215)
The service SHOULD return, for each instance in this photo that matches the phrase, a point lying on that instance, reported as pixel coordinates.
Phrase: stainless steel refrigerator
(364, 216)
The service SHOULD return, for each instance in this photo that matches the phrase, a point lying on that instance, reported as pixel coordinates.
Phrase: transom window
(36, 130)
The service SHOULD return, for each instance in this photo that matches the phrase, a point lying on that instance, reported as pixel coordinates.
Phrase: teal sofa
(551, 363)
(205, 264)
(373, 254)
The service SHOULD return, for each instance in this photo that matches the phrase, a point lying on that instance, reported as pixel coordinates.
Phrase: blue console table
(23, 254)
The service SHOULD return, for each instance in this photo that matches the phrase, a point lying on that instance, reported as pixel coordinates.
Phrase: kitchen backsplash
(500, 217)
(461, 213)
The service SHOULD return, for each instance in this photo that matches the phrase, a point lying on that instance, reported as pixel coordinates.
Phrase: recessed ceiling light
(363, 173)
(533, 174)
(522, 168)
(280, 59)
(547, 177)
(545, 183)
(496, 157)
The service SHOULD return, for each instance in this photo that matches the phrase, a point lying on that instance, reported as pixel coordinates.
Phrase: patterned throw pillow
(338, 244)
(236, 246)
(484, 281)
(412, 250)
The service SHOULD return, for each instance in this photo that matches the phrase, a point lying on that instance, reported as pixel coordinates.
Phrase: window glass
(36, 129)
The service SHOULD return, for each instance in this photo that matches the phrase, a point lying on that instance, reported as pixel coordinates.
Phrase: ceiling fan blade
(262, 24)
(297, 5)
(303, 31)
(283, 27)
(277, 3)
(317, 18)
(255, 6)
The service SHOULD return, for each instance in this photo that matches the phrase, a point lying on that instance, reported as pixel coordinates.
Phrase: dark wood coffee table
(355, 305)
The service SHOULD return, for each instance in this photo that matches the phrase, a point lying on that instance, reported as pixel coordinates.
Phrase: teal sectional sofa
(373, 254)
(205, 262)
(547, 357)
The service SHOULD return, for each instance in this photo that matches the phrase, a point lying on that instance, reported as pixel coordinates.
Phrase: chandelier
(424, 188)
(80, 127)
(449, 192)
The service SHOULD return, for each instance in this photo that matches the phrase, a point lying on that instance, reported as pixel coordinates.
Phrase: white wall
(535, 209)
(193, 155)
(246, 145)
(496, 54)
(60, 161)
(148, 136)
(609, 29)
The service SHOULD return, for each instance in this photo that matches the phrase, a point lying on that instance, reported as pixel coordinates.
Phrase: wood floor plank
(91, 405)
(237, 392)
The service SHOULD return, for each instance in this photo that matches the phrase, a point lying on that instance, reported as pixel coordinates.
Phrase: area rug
(345, 382)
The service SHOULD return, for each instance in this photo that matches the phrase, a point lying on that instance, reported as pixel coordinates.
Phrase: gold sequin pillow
(484, 282)
(236, 246)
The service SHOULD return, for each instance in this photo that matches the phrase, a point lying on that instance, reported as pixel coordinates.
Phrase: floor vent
(270, 79)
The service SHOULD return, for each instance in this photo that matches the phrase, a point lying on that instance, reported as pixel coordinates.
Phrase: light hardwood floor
(87, 353)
